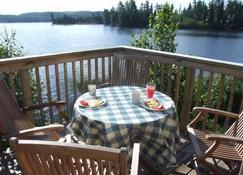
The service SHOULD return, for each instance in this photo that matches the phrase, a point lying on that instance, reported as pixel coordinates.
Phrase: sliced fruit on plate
(158, 107)
(92, 102)
(84, 103)
(95, 102)
(153, 103)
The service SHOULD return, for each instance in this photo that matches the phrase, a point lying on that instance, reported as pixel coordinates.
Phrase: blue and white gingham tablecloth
(121, 123)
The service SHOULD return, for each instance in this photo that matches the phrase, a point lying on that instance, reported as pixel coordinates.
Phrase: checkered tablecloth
(121, 123)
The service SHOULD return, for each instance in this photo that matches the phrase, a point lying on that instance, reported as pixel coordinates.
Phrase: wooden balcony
(189, 80)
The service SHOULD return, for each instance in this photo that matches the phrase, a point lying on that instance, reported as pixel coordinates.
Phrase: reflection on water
(217, 45)
(216, 34)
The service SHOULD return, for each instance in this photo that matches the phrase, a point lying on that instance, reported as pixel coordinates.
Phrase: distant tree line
(216, 15)
(95, 18)
(128, 14)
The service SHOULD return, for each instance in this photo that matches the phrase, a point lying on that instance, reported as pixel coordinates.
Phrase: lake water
(43, 38)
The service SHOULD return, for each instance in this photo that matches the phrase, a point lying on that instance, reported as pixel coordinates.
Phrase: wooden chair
(227, 147)
(49, 158)
(13, 121)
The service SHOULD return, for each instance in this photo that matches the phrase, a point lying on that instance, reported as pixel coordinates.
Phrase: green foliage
(106, 17)
(9, 49)
(161, 32)
(96, 18)
(128, 15)
(189, 23)
(159, 36)
(215, 15)
(8, 45)
(234, 11)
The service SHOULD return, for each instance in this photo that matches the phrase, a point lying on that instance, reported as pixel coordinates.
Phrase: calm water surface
(43, 38)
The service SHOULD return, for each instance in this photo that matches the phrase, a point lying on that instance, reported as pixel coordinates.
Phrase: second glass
(150, 89)
(92, 90)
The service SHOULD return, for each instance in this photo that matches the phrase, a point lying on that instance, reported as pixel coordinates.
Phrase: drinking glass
(135, 97)
(92, 90)
(150, 89)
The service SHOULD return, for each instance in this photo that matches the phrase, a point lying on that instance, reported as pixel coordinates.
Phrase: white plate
(93, 103)
(152, 109)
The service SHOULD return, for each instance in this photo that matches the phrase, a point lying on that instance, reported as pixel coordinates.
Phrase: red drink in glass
(150, 88)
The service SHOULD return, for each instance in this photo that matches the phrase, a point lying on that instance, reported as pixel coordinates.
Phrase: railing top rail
(177, 55)
(19, 63)
(224, 67)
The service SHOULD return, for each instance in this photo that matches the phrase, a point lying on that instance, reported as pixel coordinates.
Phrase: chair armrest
(135, 159)
(57, 104)
(52, 129)
(216, 112)
(202, 110)
(43, 105)
(224, 138)
(217, 138)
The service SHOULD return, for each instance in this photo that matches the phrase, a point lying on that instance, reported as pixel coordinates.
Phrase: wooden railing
(190, 81)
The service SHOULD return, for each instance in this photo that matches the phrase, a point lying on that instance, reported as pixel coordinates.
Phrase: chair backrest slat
(63, 158)
(11, 117)
(236, 130)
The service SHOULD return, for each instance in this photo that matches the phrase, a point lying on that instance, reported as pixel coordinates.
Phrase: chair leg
(210, 166)
(195, 165)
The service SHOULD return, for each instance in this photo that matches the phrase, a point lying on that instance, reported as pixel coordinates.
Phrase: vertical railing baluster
(231, 99)
(209, 92)
(48, 84)
(81, 77)
(27, 93)
(187, 98)
(109, 69)
(103, 69)
(199, 90)
(116, 69)
(12, 83)
(57, 82)
(75, 86)
(209, 86)
(161, 77)
(177, 88)
(66, 88)
(96, 72)
(89, 70)
(219, 100)
(169, 79)
(39, 90)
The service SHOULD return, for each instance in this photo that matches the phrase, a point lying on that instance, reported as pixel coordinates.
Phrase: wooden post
(27, 94)
(187, 99)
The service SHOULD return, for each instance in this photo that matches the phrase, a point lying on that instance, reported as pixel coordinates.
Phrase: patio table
(121, 123)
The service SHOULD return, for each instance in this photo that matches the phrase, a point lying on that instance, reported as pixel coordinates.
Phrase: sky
(22, 6)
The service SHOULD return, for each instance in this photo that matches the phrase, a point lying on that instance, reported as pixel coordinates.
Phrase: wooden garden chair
(13, 121)
(227, 147)
(49, 158)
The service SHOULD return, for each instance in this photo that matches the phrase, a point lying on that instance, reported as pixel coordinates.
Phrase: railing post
(187, 98)
(27, 95)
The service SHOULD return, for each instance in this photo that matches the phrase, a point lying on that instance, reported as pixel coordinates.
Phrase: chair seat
(223, 151)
